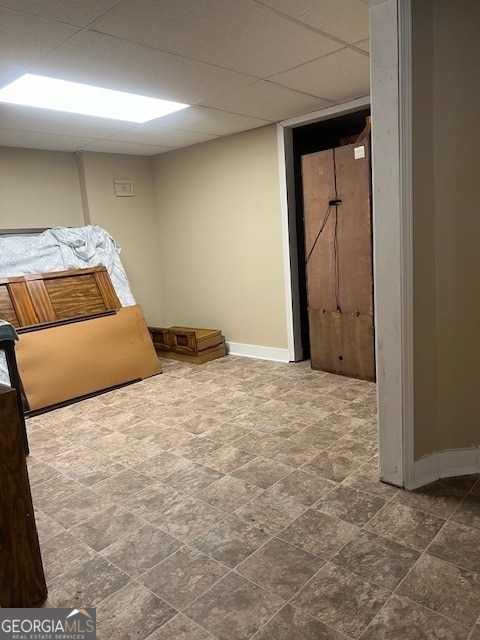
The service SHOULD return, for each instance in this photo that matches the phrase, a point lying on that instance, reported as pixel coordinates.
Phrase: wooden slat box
(188, 344)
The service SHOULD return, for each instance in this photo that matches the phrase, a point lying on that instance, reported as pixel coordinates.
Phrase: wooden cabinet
(22, 580)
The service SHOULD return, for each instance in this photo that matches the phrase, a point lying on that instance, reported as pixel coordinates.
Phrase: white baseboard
(255, 351)
(445, 464)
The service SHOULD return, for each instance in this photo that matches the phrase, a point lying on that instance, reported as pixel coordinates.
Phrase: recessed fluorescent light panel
(61, 95)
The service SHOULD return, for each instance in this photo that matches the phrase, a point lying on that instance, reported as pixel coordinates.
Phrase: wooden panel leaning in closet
(338, 250)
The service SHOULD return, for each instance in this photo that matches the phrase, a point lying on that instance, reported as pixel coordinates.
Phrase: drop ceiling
(241, 64)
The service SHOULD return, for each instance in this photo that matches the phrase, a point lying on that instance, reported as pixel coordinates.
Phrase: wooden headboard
(47, 297)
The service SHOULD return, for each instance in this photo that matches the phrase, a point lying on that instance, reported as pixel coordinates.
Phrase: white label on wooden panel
(359, 152)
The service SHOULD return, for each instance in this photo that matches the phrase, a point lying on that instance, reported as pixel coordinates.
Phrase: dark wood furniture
(22, 580)
(47, 297)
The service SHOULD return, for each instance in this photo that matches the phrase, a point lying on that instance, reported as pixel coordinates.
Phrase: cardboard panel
(68, 361)
(342, 343)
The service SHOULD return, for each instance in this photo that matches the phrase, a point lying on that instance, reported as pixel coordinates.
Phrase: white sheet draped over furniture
(60, 249)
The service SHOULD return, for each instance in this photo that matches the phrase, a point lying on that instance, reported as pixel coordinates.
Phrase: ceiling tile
(113, 146)
(205, 120)
(343, 75)
(34, 140)
(8, 74)
(344, 19)
(228, 33)
(24, 38)
(146, 134)
(79, 13)
(56, 122)
(109, 62)
(268, 101)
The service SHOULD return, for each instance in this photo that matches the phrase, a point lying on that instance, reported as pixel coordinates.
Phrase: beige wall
(130, 220)
(38, 189)
(201, 239)
(446, 211)
(220, 237)
(43, 189)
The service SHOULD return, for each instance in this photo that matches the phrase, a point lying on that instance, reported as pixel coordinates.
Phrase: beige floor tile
(196, 447)
(270, 512)
(231, 541)
(153, 501)
(234, 608)
(304, 488)
(366, 479)
(350, 504)
(292, 453)
(331, 466)
(140, 549)
(122, 486)
(304, 533)
(292, 624)
(86, 584)
(46, 526)
(468, 512)
(106, 527)
(280, 567)
(316, 436)
(257, 443)
(56, 488)
(227, 458)
(183, 576)
(404, 620)
(356, 447)
(132, 612)
(284, 447)
(61, 552)
(405, 525)
(475, 635)
(459, 595)
(162, 465)
(341, 600)
(229, 493)
(180, 628)
(188, 519)
(437, 499)
(458, 544)
(262, 472)
(376, 559)
(78, 507)
(192, 478)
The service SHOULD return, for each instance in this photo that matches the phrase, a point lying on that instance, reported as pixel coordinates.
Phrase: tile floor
(239, 499)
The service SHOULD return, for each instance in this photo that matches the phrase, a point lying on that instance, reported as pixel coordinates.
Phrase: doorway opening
(306, 139)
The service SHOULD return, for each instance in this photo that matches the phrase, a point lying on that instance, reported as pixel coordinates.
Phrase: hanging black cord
(335, 239)
(322, 227)
(335, 250)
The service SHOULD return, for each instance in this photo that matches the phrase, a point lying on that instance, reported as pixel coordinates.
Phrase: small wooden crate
(188, 344)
